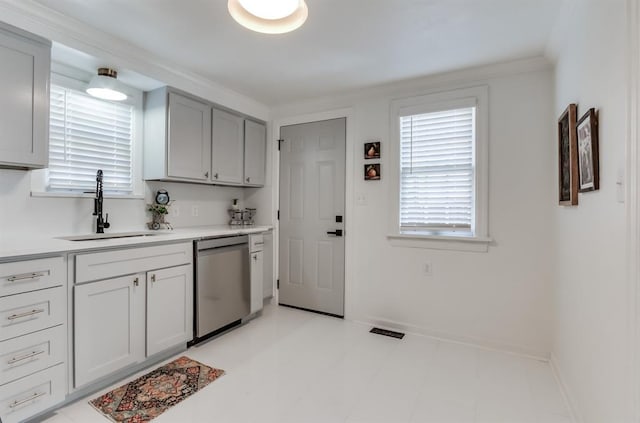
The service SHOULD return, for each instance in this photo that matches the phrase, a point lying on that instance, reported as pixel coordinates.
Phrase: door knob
(338, 232)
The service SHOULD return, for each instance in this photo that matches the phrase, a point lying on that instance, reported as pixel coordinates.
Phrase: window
(440, 160)
(87, 134)
(437, 173)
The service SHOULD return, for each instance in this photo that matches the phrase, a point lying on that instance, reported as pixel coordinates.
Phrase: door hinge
(280, 144)
(278, 214)
(278, 284)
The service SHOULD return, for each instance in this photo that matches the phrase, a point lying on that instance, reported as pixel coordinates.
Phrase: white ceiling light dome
(269, 16)
(105, 85)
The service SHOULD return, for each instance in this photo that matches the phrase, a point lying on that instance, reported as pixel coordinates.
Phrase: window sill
(441, 242)
(82, 195)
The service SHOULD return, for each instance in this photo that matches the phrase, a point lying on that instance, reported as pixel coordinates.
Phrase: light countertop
(14, 247)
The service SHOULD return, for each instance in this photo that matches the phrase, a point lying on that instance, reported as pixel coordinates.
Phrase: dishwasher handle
(211, 251)
(208, 244)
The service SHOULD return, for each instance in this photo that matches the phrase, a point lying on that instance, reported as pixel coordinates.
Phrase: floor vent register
(392, 334)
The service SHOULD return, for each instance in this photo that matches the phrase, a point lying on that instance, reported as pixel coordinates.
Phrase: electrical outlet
(194, 211)
(427, 268)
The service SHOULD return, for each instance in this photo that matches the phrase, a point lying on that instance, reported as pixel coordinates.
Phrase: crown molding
(55, 26)
(453, 79)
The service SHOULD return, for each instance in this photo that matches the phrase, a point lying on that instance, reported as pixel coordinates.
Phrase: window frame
(39, 178)
(478, 240)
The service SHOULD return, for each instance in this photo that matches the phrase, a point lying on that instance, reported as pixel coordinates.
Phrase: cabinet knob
(153, 278)
(215, 175)
(206, 174)
(136, 281)
(249, 179)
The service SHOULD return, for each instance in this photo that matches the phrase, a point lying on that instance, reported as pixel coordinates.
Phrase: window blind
(87, 134)
(437, 170)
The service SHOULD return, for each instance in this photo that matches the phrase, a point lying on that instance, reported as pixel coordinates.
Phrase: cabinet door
(257, 275)
(169, 308)
(109, 326)
(24, 103)
(267, 283)
(255, 153)
(227, 148)
(189, 131)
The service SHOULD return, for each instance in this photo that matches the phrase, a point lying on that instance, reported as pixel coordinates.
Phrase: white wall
(590, 344)
(501, 298)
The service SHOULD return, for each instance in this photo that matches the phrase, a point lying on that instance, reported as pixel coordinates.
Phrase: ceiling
(344, 45)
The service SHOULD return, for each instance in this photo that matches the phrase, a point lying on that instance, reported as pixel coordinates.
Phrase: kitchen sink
(97, 237)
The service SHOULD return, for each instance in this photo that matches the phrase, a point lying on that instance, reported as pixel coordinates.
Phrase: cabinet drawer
(30, 395)
(109, 264)
(25, 313)
(31, 353)
(256, 242)
(31, 275)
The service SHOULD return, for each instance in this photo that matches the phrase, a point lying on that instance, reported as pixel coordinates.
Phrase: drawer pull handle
(259, 243)
(15, 360)
(25, 314)
(18, 403)
(24, 277)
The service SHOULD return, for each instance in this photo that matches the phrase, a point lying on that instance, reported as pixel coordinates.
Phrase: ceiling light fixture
(105, 85)
(269, 16)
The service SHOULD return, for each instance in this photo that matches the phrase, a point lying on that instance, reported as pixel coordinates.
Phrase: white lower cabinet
(256, 271)
(109, 326)
(257, 276)
(25, 397)
(122, 320)
(169, 308)
(33, 337)
(30, 353)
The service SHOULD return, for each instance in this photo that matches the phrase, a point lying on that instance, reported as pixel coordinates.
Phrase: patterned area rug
(152, 394)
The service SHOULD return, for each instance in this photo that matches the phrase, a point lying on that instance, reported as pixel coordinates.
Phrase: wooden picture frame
(372, 172)
(588, 154)
(371, 150)
(568, 157)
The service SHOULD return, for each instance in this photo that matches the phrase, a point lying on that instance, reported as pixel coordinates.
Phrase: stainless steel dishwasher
(222, 285)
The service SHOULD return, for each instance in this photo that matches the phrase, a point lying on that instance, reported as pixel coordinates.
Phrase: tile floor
(292, 366)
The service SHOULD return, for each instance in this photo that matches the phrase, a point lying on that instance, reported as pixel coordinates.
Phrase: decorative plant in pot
(158, 213)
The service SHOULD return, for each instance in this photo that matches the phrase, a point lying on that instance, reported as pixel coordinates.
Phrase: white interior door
(312, 205)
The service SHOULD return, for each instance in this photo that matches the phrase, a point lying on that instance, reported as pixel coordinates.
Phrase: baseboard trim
(564, 389)
(449, 337)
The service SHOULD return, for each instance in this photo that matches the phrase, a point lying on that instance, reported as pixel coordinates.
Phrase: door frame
(349, 242)
(632, 201)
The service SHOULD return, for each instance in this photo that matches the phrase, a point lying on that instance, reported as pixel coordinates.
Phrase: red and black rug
(152, 394)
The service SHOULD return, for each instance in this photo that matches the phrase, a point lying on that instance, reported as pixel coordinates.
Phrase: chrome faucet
(97, 206)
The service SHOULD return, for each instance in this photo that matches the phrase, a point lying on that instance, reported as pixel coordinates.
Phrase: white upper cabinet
(177, 137)
(187, 139)
(255, 153)
(24, 103)
(227, 148)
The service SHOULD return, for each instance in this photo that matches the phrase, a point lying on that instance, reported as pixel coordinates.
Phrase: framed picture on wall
(588, 160)
(372, 172)
(372, 150)
(568, 157)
